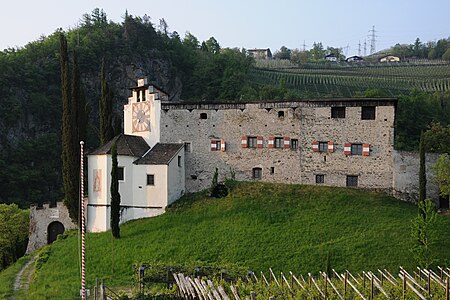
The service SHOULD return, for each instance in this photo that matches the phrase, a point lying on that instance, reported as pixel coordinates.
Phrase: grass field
(259, 225)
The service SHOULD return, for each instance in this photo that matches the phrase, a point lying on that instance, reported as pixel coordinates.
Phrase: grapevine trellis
(350, 79)
(420, 284)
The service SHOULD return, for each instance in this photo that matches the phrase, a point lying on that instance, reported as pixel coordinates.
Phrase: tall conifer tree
(115, 195)
(69, 137)
(105, 109)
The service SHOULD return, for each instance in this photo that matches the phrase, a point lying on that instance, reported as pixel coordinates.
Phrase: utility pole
(372, 40)
(359, 48)
(365, 48)
(304, 46)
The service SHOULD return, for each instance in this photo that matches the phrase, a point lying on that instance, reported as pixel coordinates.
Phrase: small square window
(323, 146)
(356, 149)
(294, 143)
(120, 173)
(218, 145)
(150, 179)
(256, 173)
(251, 142)
(320, 178)
(368, 113)
(278, 142)
(203, 116)
(338, 112)
(187, 146)
(352, 180)
(281, 114)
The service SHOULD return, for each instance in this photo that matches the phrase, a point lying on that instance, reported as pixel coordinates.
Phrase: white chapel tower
(143, 111)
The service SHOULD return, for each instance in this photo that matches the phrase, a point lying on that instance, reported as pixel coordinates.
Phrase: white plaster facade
(139, 197)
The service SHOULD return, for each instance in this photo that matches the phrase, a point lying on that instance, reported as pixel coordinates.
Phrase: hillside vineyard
(170, 148)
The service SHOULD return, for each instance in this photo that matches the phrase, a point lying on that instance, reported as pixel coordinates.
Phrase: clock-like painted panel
(141, 117)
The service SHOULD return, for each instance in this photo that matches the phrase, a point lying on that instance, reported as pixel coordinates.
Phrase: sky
(246, 23)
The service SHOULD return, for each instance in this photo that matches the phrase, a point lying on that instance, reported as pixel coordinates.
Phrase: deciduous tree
(442, 171)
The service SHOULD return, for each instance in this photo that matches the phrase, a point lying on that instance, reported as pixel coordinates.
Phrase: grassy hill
(259, 225)
(350, 79)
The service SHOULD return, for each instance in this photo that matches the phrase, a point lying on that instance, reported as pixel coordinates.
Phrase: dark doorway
(443, 202)
(54, 229)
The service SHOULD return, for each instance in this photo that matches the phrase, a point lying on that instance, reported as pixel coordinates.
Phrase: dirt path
(24, 276)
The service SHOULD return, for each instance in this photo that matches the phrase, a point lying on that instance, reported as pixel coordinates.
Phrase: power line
(372, 40)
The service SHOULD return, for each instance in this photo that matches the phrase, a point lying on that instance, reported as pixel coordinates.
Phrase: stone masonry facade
(334, 142)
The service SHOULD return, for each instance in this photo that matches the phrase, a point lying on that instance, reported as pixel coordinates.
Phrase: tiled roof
(129, 145)
(160, 154)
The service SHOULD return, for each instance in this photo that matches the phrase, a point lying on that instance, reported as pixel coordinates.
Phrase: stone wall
(406, 176)
(41, 218)
(374, 171)
(306, 121)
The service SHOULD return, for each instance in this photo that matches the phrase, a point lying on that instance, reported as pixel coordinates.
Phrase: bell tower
(142, 113)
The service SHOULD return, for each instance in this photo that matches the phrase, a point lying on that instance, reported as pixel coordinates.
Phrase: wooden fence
(420, 284)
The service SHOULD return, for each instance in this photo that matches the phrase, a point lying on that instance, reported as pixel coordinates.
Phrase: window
(216, 145)
(150, 179)
(179, 160)
(279, 142)
(368, 113)
(272, 170)
(357, 149)
(323, 146)
(338, 112)
(120, 173)
(352, 180)
(187, 146)
(251, 142)
(281, 114)
(294, 143)
(203, 116)
(320, 178)
(256, 173)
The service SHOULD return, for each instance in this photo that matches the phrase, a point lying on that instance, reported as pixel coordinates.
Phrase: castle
(170, 148)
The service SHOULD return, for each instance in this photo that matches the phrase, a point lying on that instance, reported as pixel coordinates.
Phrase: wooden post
(364, 280)
(447, 292)
(325, 286)
(429, 283)
(345, 285)
(371, 286)
(381, 277)
(404, 286)
(252, 295)
(96, 289)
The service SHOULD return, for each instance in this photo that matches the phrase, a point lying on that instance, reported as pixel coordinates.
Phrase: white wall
(176, 178)
(98, 213)
(153, 136)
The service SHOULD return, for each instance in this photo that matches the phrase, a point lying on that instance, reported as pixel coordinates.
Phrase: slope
(259, 225)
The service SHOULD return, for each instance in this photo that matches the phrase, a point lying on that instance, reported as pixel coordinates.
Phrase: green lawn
(259, 225)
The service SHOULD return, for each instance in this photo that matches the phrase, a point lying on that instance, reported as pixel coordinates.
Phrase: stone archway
(54, 229)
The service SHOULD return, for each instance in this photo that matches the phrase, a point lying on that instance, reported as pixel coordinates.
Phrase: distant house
(389, 58)
(354, 58)
(260, 53)
(331, 57)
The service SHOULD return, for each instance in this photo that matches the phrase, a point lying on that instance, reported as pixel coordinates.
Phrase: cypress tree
(422, 170)
(115, 195)
(105, 109)
(69, 153)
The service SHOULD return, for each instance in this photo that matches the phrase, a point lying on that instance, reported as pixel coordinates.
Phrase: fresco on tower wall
(97, 180)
